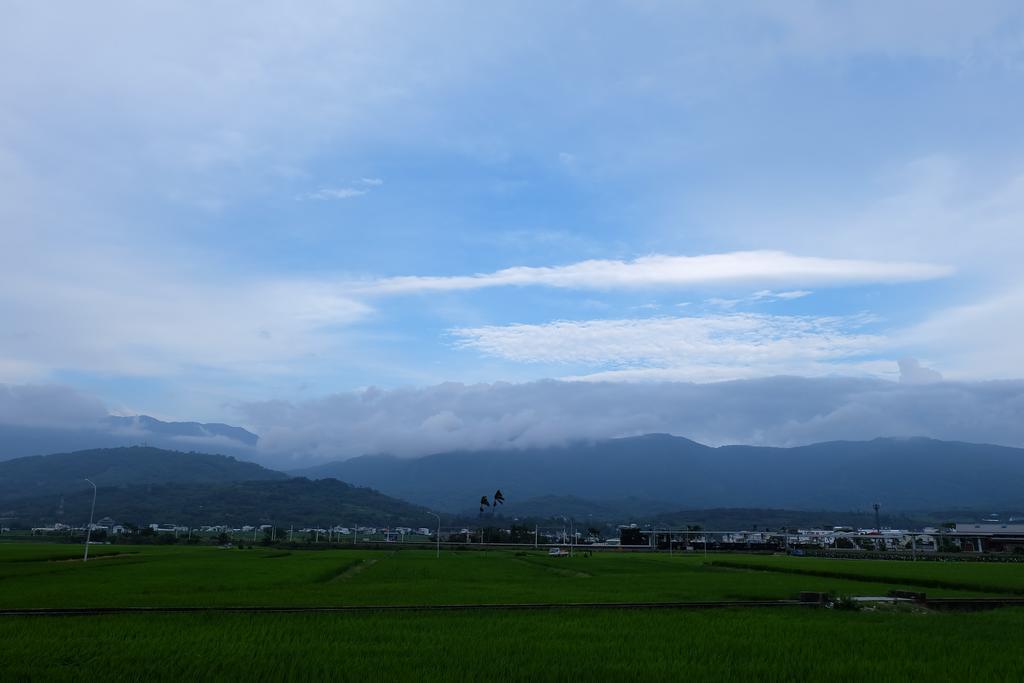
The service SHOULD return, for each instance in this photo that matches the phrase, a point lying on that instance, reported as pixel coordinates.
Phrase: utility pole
(88, 530)
(570, 522)
(438, 538)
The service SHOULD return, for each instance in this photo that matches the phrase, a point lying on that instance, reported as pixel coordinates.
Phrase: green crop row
(206, 576)
(1004, 579)
(568, 645)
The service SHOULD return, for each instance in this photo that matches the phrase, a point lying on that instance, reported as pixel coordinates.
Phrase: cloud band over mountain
(773, 411)
(780, 411)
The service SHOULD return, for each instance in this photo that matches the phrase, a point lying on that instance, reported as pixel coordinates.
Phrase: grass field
(562, 644)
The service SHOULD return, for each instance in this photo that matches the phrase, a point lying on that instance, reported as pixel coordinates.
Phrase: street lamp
(88, 530)
(438, 539)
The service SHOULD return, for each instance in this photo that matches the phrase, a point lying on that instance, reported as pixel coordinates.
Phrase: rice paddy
(558, 644)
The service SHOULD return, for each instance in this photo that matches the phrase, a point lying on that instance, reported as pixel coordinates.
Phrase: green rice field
(794, 643)
(163, 576)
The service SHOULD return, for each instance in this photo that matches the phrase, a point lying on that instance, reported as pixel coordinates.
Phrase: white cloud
(344, 192)
(935, 209)
(981, 339)
(709, 347)
(334, 193)
(681, 271)
(39, 405)
(20, 371)
(769, 295)
(880, 369)
(912, 372)
(780, 411)
(777, 411)
(761, 296)
(107, 314)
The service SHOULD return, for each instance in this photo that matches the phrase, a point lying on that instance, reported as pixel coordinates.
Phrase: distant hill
(18, 440)
(283, 502)
(623, 510)
(182, 430)
(658, 469)
(64, 473)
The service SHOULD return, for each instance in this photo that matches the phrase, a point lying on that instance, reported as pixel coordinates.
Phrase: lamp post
(438, 538)
(88, 530)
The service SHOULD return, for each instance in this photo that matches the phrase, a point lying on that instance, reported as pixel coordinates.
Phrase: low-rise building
(990, 536)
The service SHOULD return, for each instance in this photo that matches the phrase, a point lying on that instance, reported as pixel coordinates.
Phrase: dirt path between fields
(560, 571)
(354, 570)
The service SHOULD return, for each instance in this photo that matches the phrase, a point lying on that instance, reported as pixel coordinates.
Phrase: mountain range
(143, 485)
(282, 502)
(621, 480)
(662, 472)
(65, 473)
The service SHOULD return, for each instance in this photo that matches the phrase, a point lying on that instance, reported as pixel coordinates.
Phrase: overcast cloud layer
(774, 411)
(778, 411)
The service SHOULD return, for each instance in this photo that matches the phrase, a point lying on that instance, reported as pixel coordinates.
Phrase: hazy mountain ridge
(900, 473)
(197, 430)
(113, 431)
(282, 502)
(64, 473)
(623, 479)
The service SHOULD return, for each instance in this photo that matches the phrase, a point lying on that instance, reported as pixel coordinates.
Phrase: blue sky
(203, 208)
